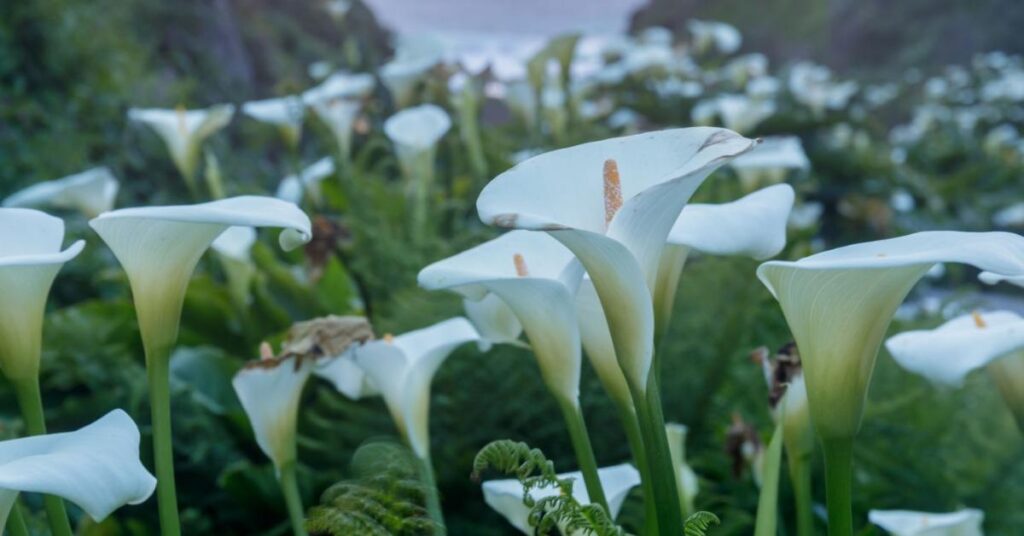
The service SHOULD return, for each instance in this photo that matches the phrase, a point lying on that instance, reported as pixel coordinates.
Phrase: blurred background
(908, 114)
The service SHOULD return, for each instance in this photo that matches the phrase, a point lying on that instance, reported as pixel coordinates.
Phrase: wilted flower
(96, 467)
(89, 192)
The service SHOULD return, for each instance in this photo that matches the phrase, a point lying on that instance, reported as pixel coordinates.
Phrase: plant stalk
(432, 496)
(800, 478)
(31, 403)
(636, 445)
(15, 522)
(158, 370)
(839, 485)
(659, 458)
(292, 498)
(584, 453)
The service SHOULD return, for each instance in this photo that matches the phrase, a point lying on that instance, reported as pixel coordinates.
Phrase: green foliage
(535, 471)
(699, 523)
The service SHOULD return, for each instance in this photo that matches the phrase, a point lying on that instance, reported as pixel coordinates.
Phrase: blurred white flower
(89, 192)
(293, 188)
(415, 133)
(286, 113)
(184, 131)
(812, 85)
(1011, 216)
(717, 36)
(742, 113)
(906, 523)
(770, 161)
(414, 58)
(686, 477)
(96, 467)
(806, 215)
(233, 248)
(902, 201)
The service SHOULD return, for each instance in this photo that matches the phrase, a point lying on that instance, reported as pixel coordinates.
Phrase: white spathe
(416, 55)
(495, 321)
(346, 377)
(946, 354)
(285, 113)
(234, 250)
(742, 113)
(89, 192)
(771, 161)
(723, 38)
(160, 246)
(30, 257)
(812, 85)
(403, 367)
(184, 130)
(839, 303)
(293, 187)
(686, 478)
(506, 496)
(415, 133)
(96, 467)
(337, 102)
(965, 522)
(527, 271)
(616, 227)
(340, 85)
(270, 391)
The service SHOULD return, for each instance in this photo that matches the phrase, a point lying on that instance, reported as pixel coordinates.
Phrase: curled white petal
(90, 192)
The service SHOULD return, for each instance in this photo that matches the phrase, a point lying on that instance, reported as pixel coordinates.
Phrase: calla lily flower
(523, 270)
(812, 86)
(30, 257)
(616, 226)
(946, 354)
(96, 467)
(285, 113)
(269, 390)
(416, 56)
(415, 133)
(707, 35)
(292, 188)
(89, 192)
(402, 368)
(160, 246)
(337, 102)
(494, 321)
(742, 113)
(839, 303)
(234, 249)
(906, 523)
(686, 477)
(184, 131)
(506, 496)
(770, 161)
(347, 377)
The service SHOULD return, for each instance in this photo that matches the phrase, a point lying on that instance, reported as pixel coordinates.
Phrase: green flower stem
(433, 498)
(290, 489)
(839, 484)
(636, 446)
(16, 523)
(800, 478)
(768, 502)
(584, 452)
(158, 369)
(31, 403)
(659, 458)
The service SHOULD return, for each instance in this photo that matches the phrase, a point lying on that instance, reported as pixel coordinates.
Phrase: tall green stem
(31, 403)
(290, 489)
(800, 478)
(768, 502)
(659, 458)
(158, 369)
(839, 484)
(433, 499)
(584, 452)
(636, 445)
(15, 522)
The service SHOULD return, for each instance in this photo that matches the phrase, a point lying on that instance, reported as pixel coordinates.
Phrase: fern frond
(699, 523)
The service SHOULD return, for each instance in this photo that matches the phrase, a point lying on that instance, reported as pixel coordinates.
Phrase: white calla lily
(269, 390)
(812, 85)
(907, 523)
(839, 304)
(89, 192)
(742, 113)
(184, 131)
(523, 270)
(340, 85)
(686, 477)
(96, 467)
(416, 55)
(347, 377)
(160, 246)
(616, 226)
(402, 368)
(723, 38)
(30, 257)
(771, 161)
(495, 321)
(234, 250)
(286, 113)
(415, 133)
(293, 188)
(946, 354)
(337, 101)
(506, 496)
